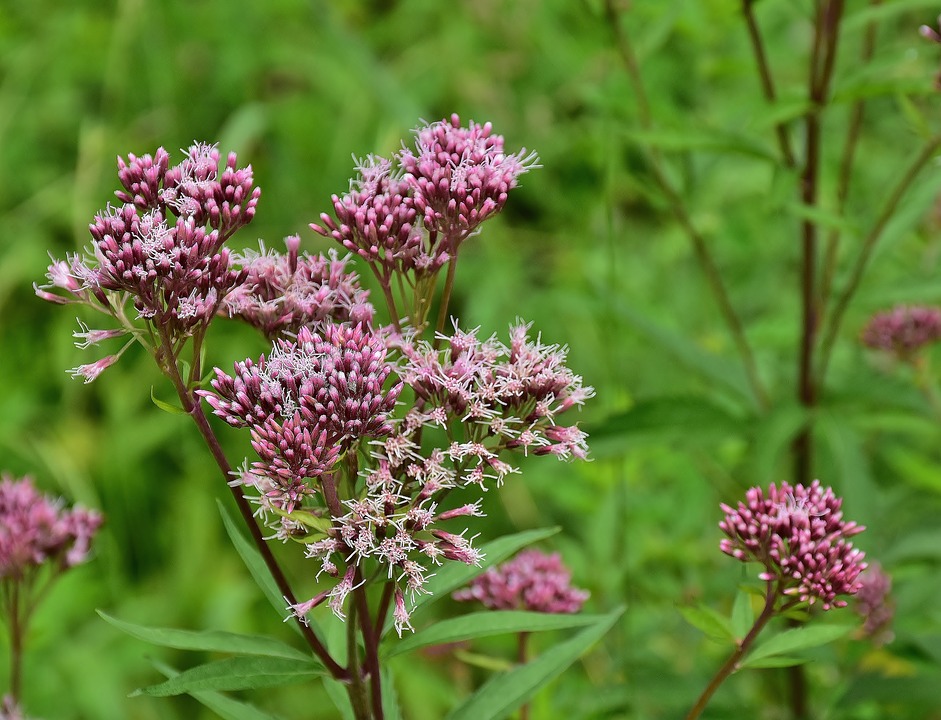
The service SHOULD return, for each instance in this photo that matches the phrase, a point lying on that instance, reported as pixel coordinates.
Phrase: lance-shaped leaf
(505, 692)
(208, 640)
(236, 673)
(484, 624)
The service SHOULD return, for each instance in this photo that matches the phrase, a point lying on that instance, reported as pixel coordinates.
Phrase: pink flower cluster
(306, 404)
(800, 538)
(35, 531)
(874, 605)
(510, 393)
(903, 330)
(283, 293)
(531, 581)
(163, 245)
(10, 710)
(396, 528)
(414, 217)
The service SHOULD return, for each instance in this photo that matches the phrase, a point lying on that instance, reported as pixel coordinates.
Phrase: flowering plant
(39, 540)
(366, 436)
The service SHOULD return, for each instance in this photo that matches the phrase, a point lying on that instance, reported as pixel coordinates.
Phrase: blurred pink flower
(531, 581)
(903, 330)
(35, 530)
(799, 536)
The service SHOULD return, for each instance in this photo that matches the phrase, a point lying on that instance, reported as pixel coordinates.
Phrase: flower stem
(445, 301)
(356, 689)
(371, 664)
(16, 641)
(869, 244)
(767, 83)
(522, 655)
(194, 410)
(731, 664)
(679, 211)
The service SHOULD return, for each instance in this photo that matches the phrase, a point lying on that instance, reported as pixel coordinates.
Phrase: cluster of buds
(10, 709)
(507, 395)
(305, 405)
(282, 293)
(531, 581)
(36, 531)
(800, 538)
(875, 606)
(903, 331)
(164, 245)
(162, 248)
(408, 217)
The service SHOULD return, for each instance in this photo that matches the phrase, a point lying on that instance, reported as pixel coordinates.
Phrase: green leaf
(797, 639)
(225, 707)
(690, 417)
(505, 692)
(711, 622)
(455, 575)
(209, 640)
(922, 545)
(484, 624)
(773, 433)
(253, 561)
(337, 694)
(822, 218)
(775, 661)
(743, 616)
(677, 344)
(484, 662)
(236, 673)
(390, 701)
(165, 406)
(861, 16)
(684, 139)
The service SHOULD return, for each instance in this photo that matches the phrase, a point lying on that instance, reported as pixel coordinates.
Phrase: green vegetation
(590, 248)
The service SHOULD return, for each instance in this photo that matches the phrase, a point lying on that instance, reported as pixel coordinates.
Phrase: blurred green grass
(584, 249)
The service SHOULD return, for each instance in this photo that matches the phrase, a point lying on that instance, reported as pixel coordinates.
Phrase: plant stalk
(731, 664)
(678, 209)
(194, 410)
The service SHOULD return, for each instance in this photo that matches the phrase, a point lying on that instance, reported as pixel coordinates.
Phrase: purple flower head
(874, 604)
(930, 33)
(10, 710)
(392, 526)
(531, 581)
(798, 534)
(513, 394)
(283, 293)
(35, 530)
(306, 403)
(904, 330)
(163, 245)
(377, 220)
(460, 175)
(412, 216)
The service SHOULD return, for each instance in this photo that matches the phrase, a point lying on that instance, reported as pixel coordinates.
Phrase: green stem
(445, 301)
(732, 663)
(679, 211)
(767, 83)
(869, 244)
(522, 656)
(17, 632)
(846, 167)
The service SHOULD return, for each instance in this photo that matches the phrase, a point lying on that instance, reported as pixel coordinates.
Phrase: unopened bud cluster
(531, 581)
(800, 538)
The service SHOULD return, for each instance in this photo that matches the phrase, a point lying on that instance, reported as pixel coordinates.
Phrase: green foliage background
(586, 249)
